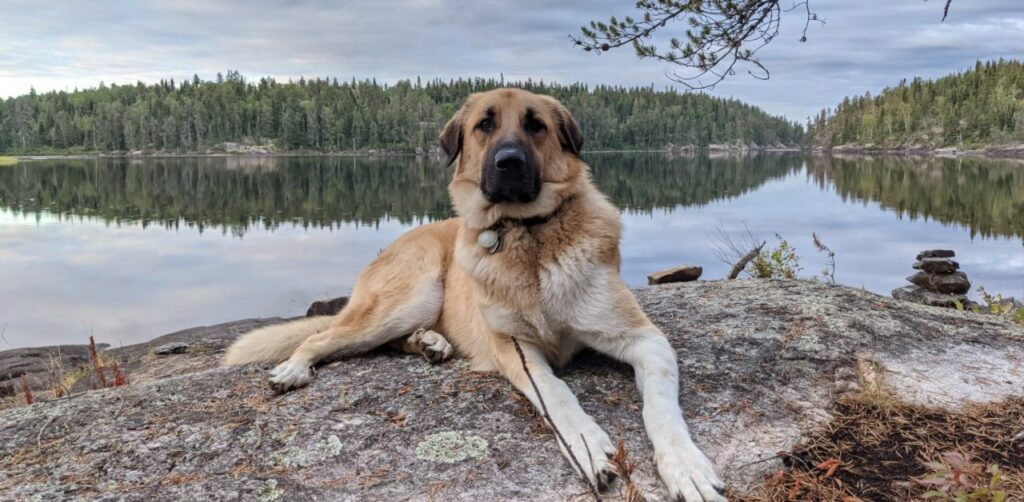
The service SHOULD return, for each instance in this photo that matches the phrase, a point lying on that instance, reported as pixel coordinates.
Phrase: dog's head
(516, 154)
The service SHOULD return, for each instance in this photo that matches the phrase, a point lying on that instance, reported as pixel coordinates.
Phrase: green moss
(451, 447)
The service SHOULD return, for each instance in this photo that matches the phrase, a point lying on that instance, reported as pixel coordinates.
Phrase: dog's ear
(451, 135)
(569, 133)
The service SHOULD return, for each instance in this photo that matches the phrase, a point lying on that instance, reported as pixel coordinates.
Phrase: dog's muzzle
(511, 175)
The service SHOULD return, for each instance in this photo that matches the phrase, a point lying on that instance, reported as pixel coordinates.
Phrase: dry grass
(624, 468)
(878, 449)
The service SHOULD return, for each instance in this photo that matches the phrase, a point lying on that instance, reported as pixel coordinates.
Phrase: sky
(864, 45)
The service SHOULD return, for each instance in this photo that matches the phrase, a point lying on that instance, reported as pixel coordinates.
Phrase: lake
(130, 249)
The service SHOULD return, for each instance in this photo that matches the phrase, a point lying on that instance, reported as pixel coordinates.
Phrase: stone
(936, 253)
(916, 294)
(761, 363)
(683, 273)
(937, 265)
(954, 283)
(327, 307)
(171, 348)
(37, 363)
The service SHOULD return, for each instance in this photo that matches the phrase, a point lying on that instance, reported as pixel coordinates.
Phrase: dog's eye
(534, 126)
(486, 125)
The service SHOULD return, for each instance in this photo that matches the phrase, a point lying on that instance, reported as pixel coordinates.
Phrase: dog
(525, 276)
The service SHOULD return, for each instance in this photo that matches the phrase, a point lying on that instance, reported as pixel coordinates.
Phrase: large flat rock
(761, 362)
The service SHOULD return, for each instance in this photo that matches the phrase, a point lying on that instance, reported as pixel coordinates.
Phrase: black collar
(532, 221)
(523, 222)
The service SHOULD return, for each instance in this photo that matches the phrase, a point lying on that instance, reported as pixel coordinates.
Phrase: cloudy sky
(865, 45)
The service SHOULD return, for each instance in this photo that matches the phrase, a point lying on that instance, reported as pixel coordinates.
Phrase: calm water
(128, 250)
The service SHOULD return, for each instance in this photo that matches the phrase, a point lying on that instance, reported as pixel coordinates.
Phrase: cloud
(864, 46)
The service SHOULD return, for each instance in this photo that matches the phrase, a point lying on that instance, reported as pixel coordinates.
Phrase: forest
(978, 108)
(325, 115)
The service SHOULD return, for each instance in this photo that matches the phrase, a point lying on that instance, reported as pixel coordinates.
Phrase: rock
(922, 296)
(936, 253)
(171, 348)
(37, 363)
(761, 363)
(327, 307)
(937, 265)
(955, 283)
(683, 273)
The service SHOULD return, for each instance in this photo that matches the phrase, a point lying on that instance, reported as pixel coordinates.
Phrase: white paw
(689, 476)
(433, 345)
(290, 375)
(593, 449)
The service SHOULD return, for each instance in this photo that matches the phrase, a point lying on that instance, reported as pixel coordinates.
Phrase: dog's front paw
(290, 375)
(689, 476)
(433, 345)
(593, 449)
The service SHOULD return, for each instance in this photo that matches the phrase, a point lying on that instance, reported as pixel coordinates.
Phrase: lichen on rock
(270, 491)
(451, 447)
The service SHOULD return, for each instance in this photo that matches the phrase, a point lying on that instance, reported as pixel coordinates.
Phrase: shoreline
(993, 152)
(439, 155)
(1007, 152)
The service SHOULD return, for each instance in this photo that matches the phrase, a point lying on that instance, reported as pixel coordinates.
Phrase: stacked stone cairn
(938, 281)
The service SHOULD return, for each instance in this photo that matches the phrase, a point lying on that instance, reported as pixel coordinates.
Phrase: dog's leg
(590, 445)
(624, 333)
(367, 322)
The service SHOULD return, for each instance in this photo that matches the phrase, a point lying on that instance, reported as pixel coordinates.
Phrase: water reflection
(983, 195)
(237, 193)
(131, 249)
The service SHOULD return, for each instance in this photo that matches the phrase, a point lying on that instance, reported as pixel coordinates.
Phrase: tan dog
(533, 256)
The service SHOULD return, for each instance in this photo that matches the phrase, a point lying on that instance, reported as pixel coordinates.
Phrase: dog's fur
(553, 286)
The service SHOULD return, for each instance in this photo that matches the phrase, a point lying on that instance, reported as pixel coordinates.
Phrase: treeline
(977, 108)
(328, 115)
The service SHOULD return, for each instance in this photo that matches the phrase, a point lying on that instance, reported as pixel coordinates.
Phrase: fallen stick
(742, 264)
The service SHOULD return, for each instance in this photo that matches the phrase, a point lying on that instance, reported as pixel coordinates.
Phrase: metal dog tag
(490, 240)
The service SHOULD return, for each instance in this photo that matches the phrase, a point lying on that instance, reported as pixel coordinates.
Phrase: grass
(8, 161)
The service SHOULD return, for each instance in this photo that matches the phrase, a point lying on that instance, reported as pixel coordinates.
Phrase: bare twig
(551, 422)
(742, 264)
(945, 11)
(3, 331)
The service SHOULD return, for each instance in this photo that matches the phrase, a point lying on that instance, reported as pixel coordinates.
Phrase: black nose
(510, 158)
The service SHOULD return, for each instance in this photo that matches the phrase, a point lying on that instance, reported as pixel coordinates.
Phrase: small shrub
(779, 263)
(997, 305)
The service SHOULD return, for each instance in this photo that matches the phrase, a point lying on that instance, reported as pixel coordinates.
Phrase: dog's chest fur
(546, 280)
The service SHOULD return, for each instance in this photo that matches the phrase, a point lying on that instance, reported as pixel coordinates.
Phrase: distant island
(979, 109)
(233, 115)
